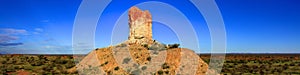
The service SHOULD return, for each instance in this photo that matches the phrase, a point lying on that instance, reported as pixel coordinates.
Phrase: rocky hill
(141, 55)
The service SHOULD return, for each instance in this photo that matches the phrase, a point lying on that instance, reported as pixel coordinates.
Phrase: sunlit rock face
(140, 26)
(140, 55)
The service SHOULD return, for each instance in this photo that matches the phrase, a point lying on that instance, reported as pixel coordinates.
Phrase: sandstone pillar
(140, 26)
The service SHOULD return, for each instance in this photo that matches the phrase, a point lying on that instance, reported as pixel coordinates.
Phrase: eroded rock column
(140, 26)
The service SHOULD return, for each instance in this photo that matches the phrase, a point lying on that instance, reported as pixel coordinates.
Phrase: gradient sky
(252, 26)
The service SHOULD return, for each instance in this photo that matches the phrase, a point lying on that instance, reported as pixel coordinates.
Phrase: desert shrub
(59, 61)
(3, 62)
(145, 45)
(160, 72)
(136, 72)
(149, 58)
(10, 68)
(41, 56)
(285, 66)
(47, 67)
(117, 68)
(144, 67)
(69, 57)
(126, 60)
(122, 45)
(173, 45)
(70, 64)
(2, 71)
(166, 72)
(158, 46)
(292, 64)
(28, 67)
(59, 67)
(37, 63)
(165, 66)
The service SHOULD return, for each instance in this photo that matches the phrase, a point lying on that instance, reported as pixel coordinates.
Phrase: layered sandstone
(140, 26)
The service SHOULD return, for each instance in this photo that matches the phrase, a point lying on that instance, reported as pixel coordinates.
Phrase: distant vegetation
(35, 64)
(259, 64)
(234, 64)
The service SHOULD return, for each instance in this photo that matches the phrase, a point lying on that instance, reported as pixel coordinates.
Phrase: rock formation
(140, 55)
(140, 26)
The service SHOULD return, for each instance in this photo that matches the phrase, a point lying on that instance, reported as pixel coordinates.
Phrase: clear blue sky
(252, 26)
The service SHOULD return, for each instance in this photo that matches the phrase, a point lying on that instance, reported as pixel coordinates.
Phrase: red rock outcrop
(140, 55)
(140, 26)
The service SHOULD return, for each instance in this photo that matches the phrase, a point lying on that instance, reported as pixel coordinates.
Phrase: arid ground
(235, 64)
